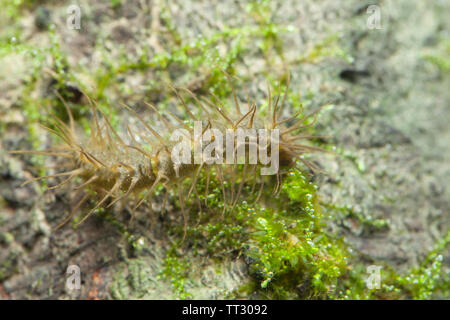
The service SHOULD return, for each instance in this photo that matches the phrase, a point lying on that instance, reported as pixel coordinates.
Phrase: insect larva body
(115, 167)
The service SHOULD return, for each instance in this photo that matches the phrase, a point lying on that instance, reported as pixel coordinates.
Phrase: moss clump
(284, 242)
(440, 56)
(176, 270)
(424, 281)
(290, 247)
(291, 254)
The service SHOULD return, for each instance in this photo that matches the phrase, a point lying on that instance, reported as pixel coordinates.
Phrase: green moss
(369, 223)
(10, 265)
(423, 281)
(289, 253)
(440, 56)
(132, 280)
(13, 8)
(291, 250)
(6, 238)
(176, 270)
(115, 4)
(328, 47)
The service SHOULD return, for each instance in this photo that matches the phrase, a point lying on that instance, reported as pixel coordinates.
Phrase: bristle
(77, 171)
(191, 115)
(69, 113)
(285, 95)
(145, 124)
(108, 195)
(88, 182)
(73, 211)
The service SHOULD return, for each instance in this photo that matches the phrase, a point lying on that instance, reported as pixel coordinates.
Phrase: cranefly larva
(115, 166)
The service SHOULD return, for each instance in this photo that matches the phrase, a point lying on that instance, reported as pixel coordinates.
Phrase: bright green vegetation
(286, 242)
(176, 270)
(292, 255)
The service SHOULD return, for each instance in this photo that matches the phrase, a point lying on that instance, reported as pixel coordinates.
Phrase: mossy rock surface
(383, 199)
